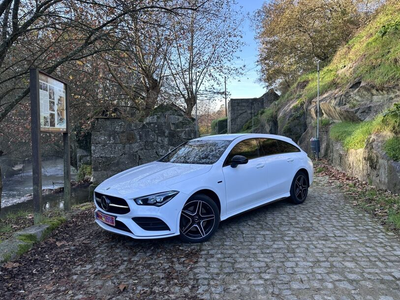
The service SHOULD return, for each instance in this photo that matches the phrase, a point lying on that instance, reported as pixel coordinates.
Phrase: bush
(84, 171)
(392, 148)
(218, 124)
(391, 119)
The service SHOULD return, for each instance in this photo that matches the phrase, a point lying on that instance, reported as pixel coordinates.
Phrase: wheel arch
(210, 194)
(303, 170)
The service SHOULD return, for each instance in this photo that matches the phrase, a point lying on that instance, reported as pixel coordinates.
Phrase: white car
(200, 183)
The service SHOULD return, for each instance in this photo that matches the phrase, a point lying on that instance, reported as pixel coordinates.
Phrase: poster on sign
(52, 97)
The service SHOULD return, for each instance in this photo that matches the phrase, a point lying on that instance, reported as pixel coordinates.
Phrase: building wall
(241, 110)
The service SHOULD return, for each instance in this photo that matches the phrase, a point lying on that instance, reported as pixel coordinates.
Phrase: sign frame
(36, 130)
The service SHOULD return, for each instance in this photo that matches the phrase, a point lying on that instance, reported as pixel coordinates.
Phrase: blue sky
(248, 86)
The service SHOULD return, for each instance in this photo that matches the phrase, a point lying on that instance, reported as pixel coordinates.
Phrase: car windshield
(197, 152)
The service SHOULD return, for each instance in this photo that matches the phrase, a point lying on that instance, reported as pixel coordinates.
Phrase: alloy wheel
(301, 188)
(199, 219)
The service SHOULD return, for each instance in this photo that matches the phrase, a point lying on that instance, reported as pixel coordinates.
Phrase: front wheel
(199, 219)
(299, 188)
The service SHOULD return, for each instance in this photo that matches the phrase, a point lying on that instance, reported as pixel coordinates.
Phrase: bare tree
(204, 45)
(49, 33)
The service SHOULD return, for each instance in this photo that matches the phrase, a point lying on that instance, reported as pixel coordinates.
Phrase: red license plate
(109, 220)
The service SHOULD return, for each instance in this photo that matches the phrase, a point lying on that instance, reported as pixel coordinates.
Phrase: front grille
(116, 205)
(151, 224)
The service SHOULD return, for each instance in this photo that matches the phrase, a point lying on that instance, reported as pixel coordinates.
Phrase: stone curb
(12, 248)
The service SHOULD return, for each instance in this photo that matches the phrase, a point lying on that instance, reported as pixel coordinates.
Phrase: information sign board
(52, 97)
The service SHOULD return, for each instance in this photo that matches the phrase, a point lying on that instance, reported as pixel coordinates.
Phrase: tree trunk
(152, 92)
(190, 103)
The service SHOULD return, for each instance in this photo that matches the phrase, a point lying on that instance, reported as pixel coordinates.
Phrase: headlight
(156, 199)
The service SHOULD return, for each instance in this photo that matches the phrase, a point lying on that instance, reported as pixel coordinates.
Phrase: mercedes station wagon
(202, 182)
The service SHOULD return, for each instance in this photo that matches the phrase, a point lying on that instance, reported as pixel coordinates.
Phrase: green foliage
(317, 28)
(266, 116)
(392, 148)
(352, 135)
(394, 218)
(28, 238)
(214, 125)
(23, 248)
(391, 119)
(18, 214)
(5, 228)
(372, 56)
(251, 124)
(388, 28)
(54, 222)
(84, 171)
(323, 122)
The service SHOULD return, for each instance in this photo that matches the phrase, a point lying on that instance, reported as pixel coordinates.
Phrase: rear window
(271, 147)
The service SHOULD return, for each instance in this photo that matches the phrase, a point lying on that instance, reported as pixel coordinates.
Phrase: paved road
(323, 249)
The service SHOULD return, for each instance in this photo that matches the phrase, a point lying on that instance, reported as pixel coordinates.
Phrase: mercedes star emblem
(105, 203)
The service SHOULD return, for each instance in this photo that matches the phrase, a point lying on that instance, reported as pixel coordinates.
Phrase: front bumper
(146, 222)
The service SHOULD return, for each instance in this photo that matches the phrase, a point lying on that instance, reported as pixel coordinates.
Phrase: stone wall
(370, 164)
(118, 144)
(242, 110)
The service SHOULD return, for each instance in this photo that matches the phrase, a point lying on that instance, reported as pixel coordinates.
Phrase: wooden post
(67, 158)
(36, 159)
(1, 187)
(67, 173)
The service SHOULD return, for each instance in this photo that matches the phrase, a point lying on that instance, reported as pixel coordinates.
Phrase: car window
(248, 148)
(197, 152)
(287, 147)
(268, 147)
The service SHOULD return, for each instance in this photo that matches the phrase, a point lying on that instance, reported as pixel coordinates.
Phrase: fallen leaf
(122, 287)
(11, 265)
(61, 243)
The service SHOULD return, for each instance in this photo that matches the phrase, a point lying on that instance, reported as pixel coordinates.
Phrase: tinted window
(287, 148)
(248, 148)
(197, 152)
(269, 147)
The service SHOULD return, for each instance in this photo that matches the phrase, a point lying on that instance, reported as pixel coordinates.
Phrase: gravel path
(322, 249)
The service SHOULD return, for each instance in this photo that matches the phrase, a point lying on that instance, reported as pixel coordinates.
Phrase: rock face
(242, 110)
(370, 164)
(297, 120)
(358, 103)
(292, 120)
(118, 144)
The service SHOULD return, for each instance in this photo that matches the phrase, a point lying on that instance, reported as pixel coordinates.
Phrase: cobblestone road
(323, 249)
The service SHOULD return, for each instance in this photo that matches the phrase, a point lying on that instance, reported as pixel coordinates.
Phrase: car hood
(150, 178)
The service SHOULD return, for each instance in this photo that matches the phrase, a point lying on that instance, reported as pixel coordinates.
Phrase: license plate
(109, 220)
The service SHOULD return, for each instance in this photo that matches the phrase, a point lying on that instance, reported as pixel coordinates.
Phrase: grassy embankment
(371, 56)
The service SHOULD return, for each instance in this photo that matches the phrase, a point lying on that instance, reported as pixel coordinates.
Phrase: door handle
(290, 160)
(259, 166)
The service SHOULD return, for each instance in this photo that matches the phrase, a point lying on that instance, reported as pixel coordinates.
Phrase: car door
(280, 164)
(245, 184)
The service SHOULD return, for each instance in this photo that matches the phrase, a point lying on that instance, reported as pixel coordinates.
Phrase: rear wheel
(199, 219)
(299, 188)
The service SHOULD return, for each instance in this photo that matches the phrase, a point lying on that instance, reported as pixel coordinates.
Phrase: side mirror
(238, 160)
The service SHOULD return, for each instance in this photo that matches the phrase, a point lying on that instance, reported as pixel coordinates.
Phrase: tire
(299, 188)
(199, 219)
